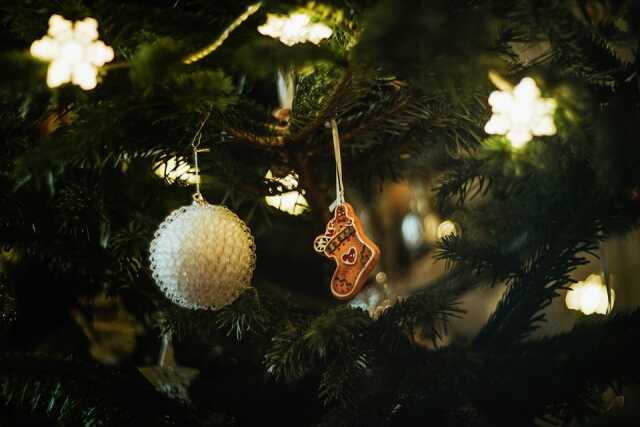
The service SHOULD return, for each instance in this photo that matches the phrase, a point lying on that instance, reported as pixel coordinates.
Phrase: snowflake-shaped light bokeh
(521, 113)
(295, 28)
(590, 296)
(73, 51)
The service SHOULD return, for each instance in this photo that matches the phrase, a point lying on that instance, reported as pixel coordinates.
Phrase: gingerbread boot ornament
(354, 253)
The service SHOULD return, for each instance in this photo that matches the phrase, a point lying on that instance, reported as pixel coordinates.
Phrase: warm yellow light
(295, 28)
(381, 278)
(176, 170)
(291, 201)
(521, 113)
(590, 296)
(73, 52)
(430, 225)
(447, 228)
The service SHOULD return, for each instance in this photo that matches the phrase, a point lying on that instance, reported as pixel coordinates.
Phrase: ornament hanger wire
(195, 144)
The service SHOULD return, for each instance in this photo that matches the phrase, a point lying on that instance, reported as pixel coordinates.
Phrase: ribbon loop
(339, 184)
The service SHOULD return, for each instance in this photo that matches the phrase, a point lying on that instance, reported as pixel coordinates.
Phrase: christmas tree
(342, 213)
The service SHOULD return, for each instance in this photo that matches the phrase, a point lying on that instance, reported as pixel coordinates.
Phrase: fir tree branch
(74, 393)
(565, 370)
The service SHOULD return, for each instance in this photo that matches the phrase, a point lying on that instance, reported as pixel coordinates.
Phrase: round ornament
(203, 256)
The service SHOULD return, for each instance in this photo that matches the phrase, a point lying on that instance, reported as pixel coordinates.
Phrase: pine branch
(580, 48)
(428, 309)
(585, 361)
(518, 313)
(343, 379)
(74, 393)
(251, 315)
(300, 348)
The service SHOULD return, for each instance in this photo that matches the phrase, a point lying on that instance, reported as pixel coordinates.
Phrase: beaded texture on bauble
(203, 256)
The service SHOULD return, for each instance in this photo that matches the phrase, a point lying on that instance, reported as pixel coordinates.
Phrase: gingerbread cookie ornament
(345, 241)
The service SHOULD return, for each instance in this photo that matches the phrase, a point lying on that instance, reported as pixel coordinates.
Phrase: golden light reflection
(176, 170)
(292, 201)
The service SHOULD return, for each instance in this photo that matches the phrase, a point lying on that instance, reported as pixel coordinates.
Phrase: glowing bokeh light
(447, 228)
(73, 51)
(294, 29)
(291, 201)
(590, 296)
(176, 170)
(412, 231)
(521, 113)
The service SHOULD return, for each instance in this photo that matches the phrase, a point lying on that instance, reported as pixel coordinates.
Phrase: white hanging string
(166, 358)
(604, 263)
(195, 161)
(285, 84)
(339, 184)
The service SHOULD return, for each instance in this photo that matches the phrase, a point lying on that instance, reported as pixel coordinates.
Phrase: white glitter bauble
(203, 256)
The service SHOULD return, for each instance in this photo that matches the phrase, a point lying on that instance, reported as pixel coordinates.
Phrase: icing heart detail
(350, 257)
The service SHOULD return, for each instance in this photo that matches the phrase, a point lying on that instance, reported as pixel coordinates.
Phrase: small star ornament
(73, 51)
(520, 113)
(168, 377)
(294, 29)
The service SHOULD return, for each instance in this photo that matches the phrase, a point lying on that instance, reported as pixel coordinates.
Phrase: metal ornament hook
(195, 144)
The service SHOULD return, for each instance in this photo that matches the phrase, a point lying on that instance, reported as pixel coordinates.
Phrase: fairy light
(447, 228)
(590, 296)
(176, 170)
(294, 29)
(412, 231)
(292, 201)
(381, 278)
(73, 51)
(520, 113)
